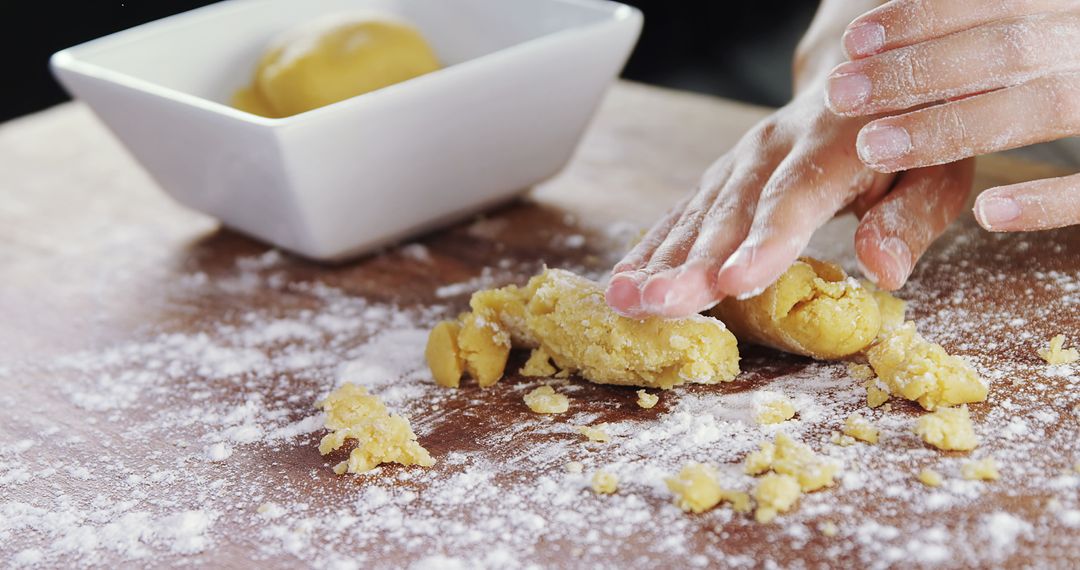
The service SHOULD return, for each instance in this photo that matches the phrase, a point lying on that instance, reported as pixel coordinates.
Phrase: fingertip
(688, 291)
(751, 270)
(887, 262)
(863, 39)
(995, 212)
(654, 293)
(623, 294)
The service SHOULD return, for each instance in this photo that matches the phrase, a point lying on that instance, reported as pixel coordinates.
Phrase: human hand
(756, 208)
(982, 76)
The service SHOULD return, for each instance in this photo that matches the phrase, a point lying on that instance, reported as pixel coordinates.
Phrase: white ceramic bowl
(522, 79)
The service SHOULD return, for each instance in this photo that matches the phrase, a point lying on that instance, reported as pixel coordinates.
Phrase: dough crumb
(949, 429)
(1056, 354)
(538, 365)
(829, 529)
(697, 489)
(837, 438)
(930, 478)
(813, 309)
(595, 433)
(772, 407)
(980, 470)
(788, 456)
(775, 493)
(646, 400)
(381, 437)
(916, 369)
(545, 400)
(860, 428)
(604, 482)
(443, 356)
(860, 371)
(575, 467)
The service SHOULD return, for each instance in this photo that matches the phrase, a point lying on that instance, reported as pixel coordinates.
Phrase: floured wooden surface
(158, 379)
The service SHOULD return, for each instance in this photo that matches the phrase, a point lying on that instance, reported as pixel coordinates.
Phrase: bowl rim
(69, 59)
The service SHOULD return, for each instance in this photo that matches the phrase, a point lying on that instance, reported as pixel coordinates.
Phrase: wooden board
(157, 376)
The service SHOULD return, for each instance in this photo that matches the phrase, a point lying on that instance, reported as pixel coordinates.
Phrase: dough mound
(566, 317)
(381, 437)
(814, 309)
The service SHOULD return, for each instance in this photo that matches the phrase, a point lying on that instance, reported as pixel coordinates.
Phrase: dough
(775, 493)
(566, 317)
(948, 429)
(930, 478)
(1055, 353)
(813, 309)
(790, 457)
(646, 400)
(335, 58)
(595, 433)
(916, 369)
(980, 470)
(352, 413)
(545, 400)
(772, 408)
(443, 355)
(605, 483)
(697, 489)
(860, 428)
(538, 365)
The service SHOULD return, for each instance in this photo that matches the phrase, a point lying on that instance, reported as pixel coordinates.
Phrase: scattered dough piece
(775, 493)
(914, 368)
(772, 407)
(813, 309)
(838, 438)
(893, 310)
(352, 413)
(860, 371)
(595, 433)
(930, 478)
(860, 428)
(1055, 353)
(574, 467)
(538, 365)
(788, 456)
(443, 356)
(566, 316)
(949, 429)
(646, 400)
(697, 489)
(545, 400)
(604, 482)
(829, 529)
(485, 347)
(981, 470)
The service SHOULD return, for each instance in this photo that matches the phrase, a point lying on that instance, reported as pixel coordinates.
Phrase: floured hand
(982, 76)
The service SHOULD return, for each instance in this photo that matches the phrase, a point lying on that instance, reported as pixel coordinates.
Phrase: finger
(895, 233)
(981, 59)
(877, 188)
(905, 22)
(1029, 206)
(804, 193)
(639, 255)
(1049, 108)
(692, 287)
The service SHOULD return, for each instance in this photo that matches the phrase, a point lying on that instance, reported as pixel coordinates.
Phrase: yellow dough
(916, 369)
(787, 456)
(545, 400)
(697, 490)
(980, 470)
(646, 400)
(772, 408)
(595, 433)
(948, 429)
(930, 478)
(537, 366)
(860, 428)
(566, 317)
(352, 413)
(335, 58)
(605, 483)
(1055, 353)
(775, 493)
(813, 309)
(443, 356)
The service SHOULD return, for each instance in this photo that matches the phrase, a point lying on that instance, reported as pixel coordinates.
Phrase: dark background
(732, 48)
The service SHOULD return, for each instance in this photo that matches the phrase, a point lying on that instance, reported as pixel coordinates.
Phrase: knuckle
(1021, 42)
(1063, 94)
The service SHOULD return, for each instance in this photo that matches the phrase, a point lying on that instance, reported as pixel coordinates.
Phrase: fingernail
(623, 293)
(881, 143)
(848, 91)
(741, 258)
(996, 210)
(655, 293)
(864, 39)
(897, 259)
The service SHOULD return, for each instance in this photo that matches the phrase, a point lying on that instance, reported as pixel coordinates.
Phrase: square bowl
(520, 82)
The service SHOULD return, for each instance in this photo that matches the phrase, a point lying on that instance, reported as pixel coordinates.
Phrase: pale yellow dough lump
(595, 433)
(566, 317)
(949, 429)
(1056, 354)
(788, 456)
(545, 400)
(813, 309)
(443, 355)
(538, 365)
(334, 58)
(861, 429)
(916, 369)
(775, 493)
(381, 437)
(646, 400)
(930, 478)
(980, 470)
(697, 489)
(605, 483)
(772, 408)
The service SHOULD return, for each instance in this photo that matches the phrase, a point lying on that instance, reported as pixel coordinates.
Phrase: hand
(982, 76)
(756, 208)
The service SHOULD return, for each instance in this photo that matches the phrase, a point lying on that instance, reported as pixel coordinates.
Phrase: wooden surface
(137, 334)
